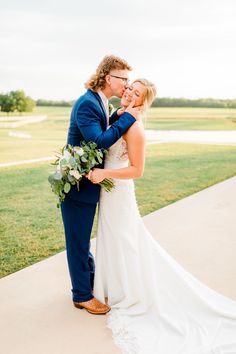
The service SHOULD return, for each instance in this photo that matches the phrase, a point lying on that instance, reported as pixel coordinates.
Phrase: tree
(16, 101)
(7, 103)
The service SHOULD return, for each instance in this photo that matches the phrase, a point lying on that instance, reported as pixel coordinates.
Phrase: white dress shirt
(105, 104)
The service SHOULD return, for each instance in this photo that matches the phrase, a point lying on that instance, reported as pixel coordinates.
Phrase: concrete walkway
(36, 313)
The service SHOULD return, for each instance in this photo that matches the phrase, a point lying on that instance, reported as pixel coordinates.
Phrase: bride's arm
(135, 139)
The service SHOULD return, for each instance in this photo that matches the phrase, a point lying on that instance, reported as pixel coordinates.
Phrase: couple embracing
(154, 305)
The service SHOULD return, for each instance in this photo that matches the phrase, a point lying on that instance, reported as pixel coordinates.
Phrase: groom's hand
(120, 111)
(134, 111)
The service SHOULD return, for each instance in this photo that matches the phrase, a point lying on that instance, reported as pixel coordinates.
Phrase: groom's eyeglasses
(124, 79)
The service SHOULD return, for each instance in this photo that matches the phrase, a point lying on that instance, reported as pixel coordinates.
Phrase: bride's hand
(97, 175)
(88, 176)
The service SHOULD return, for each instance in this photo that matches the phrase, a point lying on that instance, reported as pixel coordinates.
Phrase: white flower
(66, 154)
(75, 174)
(79, 151)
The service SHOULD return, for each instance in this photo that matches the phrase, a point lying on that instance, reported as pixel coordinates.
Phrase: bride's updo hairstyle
(150, 92)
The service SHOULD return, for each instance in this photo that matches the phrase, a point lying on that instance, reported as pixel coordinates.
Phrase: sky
(49, 48)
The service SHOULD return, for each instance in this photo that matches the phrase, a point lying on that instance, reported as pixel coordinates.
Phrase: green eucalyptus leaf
(83, 159)
(70, 178)
(72, 161)
(99, 159)
(57, 176)
(67, 187)
(51, 178)
(63, 162)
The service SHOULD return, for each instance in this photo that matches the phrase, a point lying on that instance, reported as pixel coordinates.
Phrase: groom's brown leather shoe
(93, 306)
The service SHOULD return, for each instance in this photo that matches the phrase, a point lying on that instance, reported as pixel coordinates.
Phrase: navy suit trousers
(78, 219)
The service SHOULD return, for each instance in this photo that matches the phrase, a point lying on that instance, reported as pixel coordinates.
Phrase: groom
(89, 121)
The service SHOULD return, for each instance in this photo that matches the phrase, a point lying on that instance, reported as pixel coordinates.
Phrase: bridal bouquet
(74, 162)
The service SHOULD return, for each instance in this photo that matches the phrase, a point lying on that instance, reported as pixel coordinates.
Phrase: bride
(156, 305)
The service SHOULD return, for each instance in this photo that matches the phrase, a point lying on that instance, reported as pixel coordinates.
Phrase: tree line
(17, 101)
(158, 102)
(200, 102)
(49, 103)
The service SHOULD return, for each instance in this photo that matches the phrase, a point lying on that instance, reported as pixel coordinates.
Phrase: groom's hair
(109, 63)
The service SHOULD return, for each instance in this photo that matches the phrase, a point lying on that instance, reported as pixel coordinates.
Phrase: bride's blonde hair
(150, 93)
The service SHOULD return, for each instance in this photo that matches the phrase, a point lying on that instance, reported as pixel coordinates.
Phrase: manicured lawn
(46, 136)
(174, 171)
(191, 119)
(30, 224)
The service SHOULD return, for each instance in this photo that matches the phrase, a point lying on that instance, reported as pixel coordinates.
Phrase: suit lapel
(98, 98)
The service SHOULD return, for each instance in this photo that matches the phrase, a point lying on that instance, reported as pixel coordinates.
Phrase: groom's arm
(114, 117)
(89, 122)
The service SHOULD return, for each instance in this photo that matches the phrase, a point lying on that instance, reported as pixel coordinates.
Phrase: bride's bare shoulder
(136, 131)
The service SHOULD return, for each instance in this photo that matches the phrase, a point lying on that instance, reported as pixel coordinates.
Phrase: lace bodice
(117, 154)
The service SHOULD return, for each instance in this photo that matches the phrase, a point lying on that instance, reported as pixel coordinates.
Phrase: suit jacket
(88, 122)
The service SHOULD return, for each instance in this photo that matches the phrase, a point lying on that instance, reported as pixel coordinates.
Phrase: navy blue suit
(88, 122)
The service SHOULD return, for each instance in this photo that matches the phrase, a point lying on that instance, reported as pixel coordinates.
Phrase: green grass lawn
(191, 119)
(30, 224)
(50, 135)
(47, 136)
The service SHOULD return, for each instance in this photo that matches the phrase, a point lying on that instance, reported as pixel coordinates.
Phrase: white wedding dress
(157, 306)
